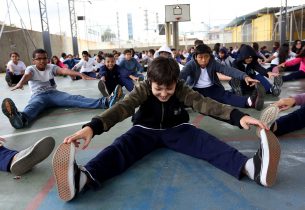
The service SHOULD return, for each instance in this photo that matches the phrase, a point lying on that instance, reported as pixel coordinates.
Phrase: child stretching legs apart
(162, 121)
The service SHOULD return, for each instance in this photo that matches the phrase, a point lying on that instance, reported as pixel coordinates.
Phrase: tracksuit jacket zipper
(162, 116)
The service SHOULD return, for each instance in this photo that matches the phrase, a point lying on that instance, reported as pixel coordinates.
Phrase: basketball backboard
(177, 13)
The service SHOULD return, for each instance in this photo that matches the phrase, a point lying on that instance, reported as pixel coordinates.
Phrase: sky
(101, 14)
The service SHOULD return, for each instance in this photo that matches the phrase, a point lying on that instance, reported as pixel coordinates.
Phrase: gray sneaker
(235, 84)
(26, 159)
(277, 84)
(102, 88)
(268, 116)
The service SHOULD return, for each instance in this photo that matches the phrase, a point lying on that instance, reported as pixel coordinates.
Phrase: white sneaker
(26, 159)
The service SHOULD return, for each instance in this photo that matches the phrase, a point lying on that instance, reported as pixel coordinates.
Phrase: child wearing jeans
(45, 95)
(162, 121)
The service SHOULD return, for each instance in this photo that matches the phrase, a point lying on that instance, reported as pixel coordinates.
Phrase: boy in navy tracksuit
(109, 75)
(129, 70)
(162, 121)
(201, 74)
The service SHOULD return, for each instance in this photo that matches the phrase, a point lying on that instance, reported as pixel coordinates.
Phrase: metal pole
(168, 33)
(175, 35)
(118, 28)
(290, 33)
(302, 17)
(8, 9)
(58, 18)
(282, 27)
(29, 14)
(73, 25)
(45, 26)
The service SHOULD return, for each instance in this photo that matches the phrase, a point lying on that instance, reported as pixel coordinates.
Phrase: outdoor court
(162, 180)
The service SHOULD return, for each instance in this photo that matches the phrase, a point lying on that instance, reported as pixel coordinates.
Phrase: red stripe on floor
(35, 203)
(197, 120)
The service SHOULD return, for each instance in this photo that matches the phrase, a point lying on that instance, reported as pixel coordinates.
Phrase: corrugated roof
(239, 20)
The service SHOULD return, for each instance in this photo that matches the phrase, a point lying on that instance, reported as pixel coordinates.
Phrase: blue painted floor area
(163, 179)
(169, 180)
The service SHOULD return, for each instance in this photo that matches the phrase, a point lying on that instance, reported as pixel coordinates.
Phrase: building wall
(236, 34)
(24, 42)
(262, 28)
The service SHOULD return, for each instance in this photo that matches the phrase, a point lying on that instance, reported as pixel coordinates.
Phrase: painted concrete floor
(162, 180)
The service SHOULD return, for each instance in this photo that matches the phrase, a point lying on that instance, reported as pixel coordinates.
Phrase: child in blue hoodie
(129, 70)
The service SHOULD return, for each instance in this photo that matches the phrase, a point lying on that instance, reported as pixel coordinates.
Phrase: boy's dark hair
(109, 55)
(203, 49)
(63, 55)
(255, 46)
(127, 51)
(152, 51)
(198, 42)
(14, 53)
(163, 71)
(85, 53)
(39, 51)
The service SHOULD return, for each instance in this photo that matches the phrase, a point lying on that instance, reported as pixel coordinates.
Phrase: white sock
(249, 168)
(249, 102)
(82, 180)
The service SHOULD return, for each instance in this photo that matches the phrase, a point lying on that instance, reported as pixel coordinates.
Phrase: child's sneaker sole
(235, 84)
(9, 109)
(259, 102)
(271, 152)
(37, 153)
(268, 116)
(63, 168)
(102, 88)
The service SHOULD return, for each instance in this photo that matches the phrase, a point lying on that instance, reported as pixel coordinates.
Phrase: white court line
(43, 129)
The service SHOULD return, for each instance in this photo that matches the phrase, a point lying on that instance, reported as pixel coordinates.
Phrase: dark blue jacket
(191, 72)
(110, 75)
(244, 52)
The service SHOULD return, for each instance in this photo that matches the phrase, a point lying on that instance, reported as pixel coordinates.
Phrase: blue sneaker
(115, 96)
(9, 109)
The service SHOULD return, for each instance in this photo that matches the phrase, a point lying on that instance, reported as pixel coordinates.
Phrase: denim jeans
(55, 98)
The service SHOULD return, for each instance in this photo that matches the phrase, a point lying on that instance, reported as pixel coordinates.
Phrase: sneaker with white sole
(266, 159)
(26, 159)
(102, 88)
(268, 116)
(116, 95)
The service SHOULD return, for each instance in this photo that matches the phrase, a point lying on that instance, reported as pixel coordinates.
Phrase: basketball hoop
(177, 18)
